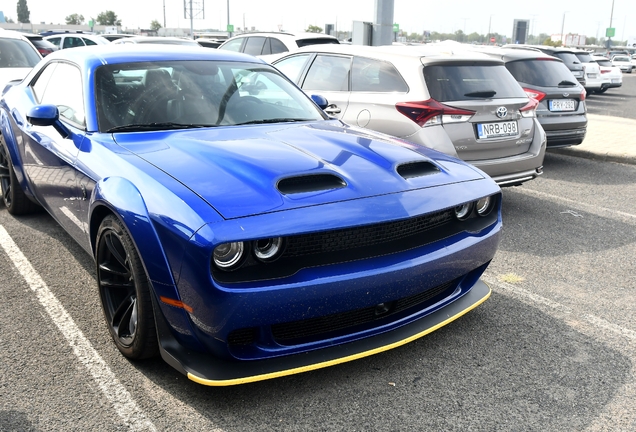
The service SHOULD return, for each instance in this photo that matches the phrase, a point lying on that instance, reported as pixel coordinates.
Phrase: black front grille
(370, 235)
(314, 329)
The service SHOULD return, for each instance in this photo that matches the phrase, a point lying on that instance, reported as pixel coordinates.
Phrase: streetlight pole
(489, 23)
(609, 38)
(228, 18)
(563, 38)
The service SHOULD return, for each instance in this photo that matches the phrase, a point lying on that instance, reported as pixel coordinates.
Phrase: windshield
(456, 83)
(542, 73)
(16, 53)
(184, 94)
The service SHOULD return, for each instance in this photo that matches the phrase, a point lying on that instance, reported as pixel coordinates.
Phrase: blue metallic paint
(182, 193)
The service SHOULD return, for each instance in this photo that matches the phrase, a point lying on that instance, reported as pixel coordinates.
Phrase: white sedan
(623, 62)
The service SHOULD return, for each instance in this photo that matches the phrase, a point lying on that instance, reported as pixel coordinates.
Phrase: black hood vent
(310, 183)
(416, 169)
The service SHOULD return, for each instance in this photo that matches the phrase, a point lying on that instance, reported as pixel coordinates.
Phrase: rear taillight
(429, 112)
(530, 109)
(44, 51)
(583, 93)
(534, 94)
(605, 71)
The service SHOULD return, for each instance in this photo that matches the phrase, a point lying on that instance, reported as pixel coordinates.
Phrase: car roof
(513, 54)
(156, 38)
(541, 48)
(298, 36)
(426, 53)
(116, 54)
(11, 34)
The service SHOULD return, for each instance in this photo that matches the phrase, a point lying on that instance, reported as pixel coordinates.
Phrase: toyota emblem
(502, 112)
(566, 95)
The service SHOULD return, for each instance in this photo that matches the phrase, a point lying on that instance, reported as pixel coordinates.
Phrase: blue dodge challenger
(237, 230)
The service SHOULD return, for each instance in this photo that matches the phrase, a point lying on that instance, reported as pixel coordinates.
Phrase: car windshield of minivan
(542, 73)
(455, 83)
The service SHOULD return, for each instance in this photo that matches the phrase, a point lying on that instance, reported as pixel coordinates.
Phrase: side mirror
(321, 101)
(47, 115)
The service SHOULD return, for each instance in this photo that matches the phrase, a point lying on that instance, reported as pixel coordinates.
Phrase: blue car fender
(12, 146)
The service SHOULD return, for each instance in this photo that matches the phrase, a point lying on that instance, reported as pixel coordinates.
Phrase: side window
(72, 42)
(371, 75)
(88, 41)
(41, 82)
(64, 90)
(234, 45)
(277, 46)
(292, 66)
(55, 41)
(328, 73)
(267, 48)
(254, 45)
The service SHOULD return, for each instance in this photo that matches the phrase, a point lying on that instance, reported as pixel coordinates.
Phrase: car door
(50, 157)
(328, 76)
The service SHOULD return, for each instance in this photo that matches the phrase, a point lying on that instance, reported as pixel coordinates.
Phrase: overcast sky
(589, 17)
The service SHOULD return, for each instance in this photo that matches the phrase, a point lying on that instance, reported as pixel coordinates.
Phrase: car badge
(566, 94)
(502, 112)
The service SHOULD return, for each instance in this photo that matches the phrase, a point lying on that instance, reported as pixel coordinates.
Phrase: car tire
(14, 198)
(124, 290)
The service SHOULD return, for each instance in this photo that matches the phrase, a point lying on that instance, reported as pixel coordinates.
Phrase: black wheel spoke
(116, 250)
(125, 319)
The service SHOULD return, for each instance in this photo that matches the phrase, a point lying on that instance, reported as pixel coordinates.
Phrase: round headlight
(268, 249)
(228, 255)
(463, 211)
(484, 206)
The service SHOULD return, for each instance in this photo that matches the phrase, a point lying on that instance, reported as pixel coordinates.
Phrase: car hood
(243, 171)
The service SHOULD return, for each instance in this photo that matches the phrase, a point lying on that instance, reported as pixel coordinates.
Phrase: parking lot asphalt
(611, 139)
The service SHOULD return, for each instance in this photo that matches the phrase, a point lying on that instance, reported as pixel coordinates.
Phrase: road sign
(230, 28)
(492, 39)
(396, 28)
(610, 32)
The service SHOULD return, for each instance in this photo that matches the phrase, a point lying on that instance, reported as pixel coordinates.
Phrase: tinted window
(72, 42)
(569, 59)
(88, 41)
(278, 46)
(584, 57)
(621, 59)
(55, 41)
(233, 45)
(267, 48)
(328, 73)
(316, 41)
(254, 45)
(375, 76)
(454, 83)
(542, 73)
(15, 53)
(605, 63)
(293, 66)
(64, 90)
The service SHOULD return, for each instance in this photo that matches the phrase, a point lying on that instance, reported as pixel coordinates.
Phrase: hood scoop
(416, 169)
(310, 183)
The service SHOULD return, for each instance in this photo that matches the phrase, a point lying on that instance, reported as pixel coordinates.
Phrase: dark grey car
(561, 110)
(566, 54)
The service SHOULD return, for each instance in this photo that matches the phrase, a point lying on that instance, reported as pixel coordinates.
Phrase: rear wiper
(274, 120)
(482, 93)
(566, 83)
(157, 126)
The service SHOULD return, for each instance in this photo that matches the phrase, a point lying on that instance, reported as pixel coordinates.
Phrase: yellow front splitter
(211, 371)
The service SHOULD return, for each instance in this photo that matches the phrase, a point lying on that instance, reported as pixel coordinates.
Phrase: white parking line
(588, 207)
(116, 393)
(531, 297)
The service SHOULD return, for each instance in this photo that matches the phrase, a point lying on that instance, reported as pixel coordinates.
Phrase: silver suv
(463, 104)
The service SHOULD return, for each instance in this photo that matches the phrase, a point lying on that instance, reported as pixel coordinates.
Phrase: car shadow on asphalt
(504, 366)
(584, 171)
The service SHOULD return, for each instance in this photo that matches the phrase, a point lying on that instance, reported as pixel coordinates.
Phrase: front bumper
(213, 371)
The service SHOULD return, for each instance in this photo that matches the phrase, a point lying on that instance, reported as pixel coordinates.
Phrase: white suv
(73, 40)
(271, 46)
(612, 76)
(593, 79)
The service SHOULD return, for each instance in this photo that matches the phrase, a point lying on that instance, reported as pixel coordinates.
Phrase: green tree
(155, 25)
(9, 20)
(74, 19)
(108, 18)
(314, 29)
(23, 12)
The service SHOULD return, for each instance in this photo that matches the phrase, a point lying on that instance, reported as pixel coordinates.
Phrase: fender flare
(16, 161)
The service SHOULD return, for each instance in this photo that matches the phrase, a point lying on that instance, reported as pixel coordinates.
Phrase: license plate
(493, 130)
(615, 81)
(577, 73)
(592, 75)
(562, 105)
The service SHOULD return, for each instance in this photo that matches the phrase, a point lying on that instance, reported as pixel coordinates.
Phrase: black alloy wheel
(13, 196)
(124, 290)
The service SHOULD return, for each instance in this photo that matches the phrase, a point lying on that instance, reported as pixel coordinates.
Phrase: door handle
(333, 109)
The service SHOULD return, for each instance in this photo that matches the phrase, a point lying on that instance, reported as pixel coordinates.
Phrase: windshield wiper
(274, 120)
(566, 83)
(482, 93)
(157, 126)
